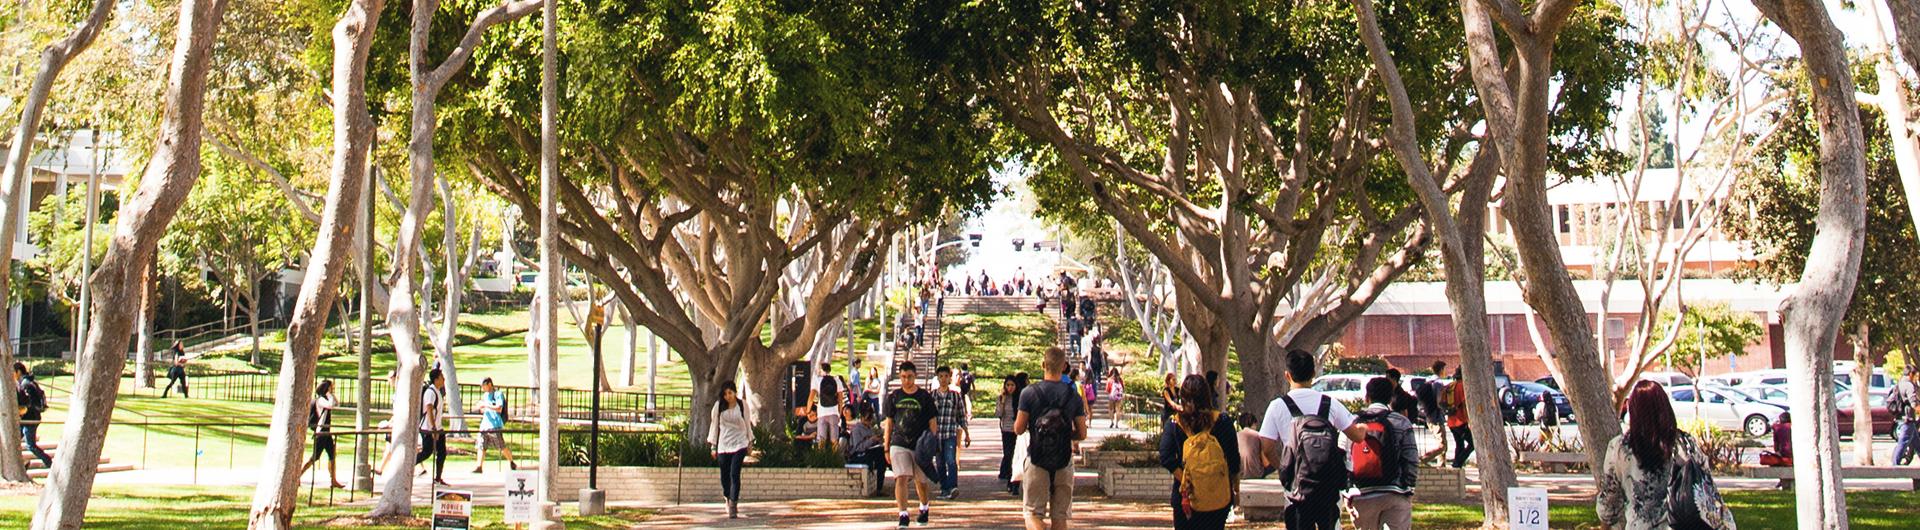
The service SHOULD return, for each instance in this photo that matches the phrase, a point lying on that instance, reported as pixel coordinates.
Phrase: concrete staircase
(925, 356)
(1075, 359)
(37, 470)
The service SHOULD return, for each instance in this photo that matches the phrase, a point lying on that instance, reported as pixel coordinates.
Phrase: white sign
(521, 486)
(1527, 508)
(452, 510)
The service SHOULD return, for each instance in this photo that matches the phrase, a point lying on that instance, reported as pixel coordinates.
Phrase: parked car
(1723, 409)
(1879, 383)
(1882, 420)
(1345, 388)
(1520, 402)
(1668, 379)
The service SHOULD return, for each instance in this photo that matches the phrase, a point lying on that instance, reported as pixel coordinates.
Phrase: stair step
(104, 468)
(33, 462)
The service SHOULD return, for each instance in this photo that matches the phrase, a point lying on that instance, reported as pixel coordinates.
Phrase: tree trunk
(1464, 266)
(274, 498)
(15, 180)
(633, 348)
(767, 378)
(1863, 382)
(253, 324)
(1517, 118)
(143, 345)
(1892, 101)
(1906, 28)
(117, 282)
(549, 254)
(1814, 311)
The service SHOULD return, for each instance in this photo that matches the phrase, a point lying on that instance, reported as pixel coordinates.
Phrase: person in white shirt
(433, 437)
(320, 421)
(731, 437)
(1276, 431)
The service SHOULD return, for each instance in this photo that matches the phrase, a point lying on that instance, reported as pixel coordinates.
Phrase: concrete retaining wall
(702, 484)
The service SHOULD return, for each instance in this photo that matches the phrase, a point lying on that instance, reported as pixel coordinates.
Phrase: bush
(646, 449)
(1125, 443)
(776, 449)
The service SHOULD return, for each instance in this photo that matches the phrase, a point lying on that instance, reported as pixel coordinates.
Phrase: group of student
(433, 428)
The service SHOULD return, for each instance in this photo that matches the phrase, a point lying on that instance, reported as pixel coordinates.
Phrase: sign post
(452, 510)
(1527, 508)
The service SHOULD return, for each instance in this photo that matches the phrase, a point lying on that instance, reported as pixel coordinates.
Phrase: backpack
(829, 391)
(1449, 403)
(1314, 466)
(1052, 446)
(503, 407)
(1376, 459)
(313, 416)
(36, 398)
(1897, 403)
(1205, 482)
(1692, 498)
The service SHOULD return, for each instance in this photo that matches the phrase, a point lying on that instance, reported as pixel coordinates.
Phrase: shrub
(649, 449)
(1125, 443)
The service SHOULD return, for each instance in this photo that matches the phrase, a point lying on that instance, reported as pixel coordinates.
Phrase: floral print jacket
(1636, 499)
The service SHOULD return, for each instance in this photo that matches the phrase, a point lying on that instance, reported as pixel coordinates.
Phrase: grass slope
(117, 507)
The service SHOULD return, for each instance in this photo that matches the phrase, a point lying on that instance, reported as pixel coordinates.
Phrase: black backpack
(1690, 493)
(36, 397)
(1314, 467)
(829, 392)
(1897, 404)
(1052, 444)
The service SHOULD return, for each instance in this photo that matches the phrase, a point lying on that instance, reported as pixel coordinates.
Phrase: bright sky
(1009, 217)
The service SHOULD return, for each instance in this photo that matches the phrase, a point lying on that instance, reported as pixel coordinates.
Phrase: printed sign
(452, 510)
(1527, 508)
(519, 498)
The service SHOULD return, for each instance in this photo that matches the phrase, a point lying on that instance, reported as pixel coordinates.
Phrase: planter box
(1097, 459)
(702, 484)
(1136, 482)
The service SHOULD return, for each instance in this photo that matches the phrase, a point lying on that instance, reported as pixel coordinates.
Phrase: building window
(1566, 219)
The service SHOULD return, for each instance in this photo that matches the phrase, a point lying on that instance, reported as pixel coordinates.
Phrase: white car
(1723, 409)
(1667, 379)
(1345, 388)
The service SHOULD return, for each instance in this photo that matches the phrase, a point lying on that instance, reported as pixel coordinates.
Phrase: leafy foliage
(1709, 331)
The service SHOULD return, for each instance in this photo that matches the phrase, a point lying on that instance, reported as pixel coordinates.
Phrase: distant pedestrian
(1404, 402)
(1454, 401)
(1308, 425)
(1116, 395)
(320, 423)
(1782, 453)
(433, 436)
(828, 396)
(731, 437)
(493, 419)
(176, 374)
(32, 401)
(1168, 403)
(909, 415)
(1655, 476)
(1901, 404)
(1386, 464)
(1057, 420)
(1005, 407)
(1202, 450)
(950, 410)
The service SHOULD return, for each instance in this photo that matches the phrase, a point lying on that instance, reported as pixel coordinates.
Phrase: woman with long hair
(1198, 503)
(1654, 468)
(320, 421)
(1116, 395)
(731, 436)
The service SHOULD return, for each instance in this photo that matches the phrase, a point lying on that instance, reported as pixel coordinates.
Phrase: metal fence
(575, 404)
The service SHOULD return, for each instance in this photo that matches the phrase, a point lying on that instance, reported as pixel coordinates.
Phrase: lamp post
(592, 500)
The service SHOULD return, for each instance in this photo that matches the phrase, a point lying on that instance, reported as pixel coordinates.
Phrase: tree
(242, 233)
(274, 497)
(14, 181)
(695, 188)
(121, 278)
(1814, 310)
(1519, 101)
(1704, 333)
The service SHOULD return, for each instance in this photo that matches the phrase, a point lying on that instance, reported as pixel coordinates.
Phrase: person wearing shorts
(1047, 494)
(320, 422)
(493, 419)
(909, 413)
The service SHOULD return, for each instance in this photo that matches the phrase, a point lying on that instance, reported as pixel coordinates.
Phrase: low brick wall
(1440, 484)
(702, 484)
(1136, 482)
(1097, 459)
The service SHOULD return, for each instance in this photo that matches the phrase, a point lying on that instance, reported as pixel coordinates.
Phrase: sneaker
(513, 466)
(904, 520)
(476, 470)
(923, 516)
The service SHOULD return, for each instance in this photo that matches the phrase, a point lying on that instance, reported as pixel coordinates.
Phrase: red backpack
(1374, 458)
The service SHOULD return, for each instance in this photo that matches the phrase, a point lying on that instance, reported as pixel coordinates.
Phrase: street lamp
(592, 501)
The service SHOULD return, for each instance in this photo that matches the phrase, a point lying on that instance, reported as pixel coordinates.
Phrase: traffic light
(974, 239)
(1019, 244)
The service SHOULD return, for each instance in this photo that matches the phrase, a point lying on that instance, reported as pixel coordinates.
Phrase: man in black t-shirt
(1047, 490)
(909, 415)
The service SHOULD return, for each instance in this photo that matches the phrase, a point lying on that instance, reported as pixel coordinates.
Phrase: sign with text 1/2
(452, 510)
(1527, 508)
(520, 502)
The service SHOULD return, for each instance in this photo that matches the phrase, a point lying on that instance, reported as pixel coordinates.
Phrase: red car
(1882, 420)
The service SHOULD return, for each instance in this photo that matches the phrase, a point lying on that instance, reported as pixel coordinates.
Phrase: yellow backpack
(1205, 481)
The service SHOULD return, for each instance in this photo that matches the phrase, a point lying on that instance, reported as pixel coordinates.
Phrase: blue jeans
(946, 466)
(1907, 442)
(31, 435)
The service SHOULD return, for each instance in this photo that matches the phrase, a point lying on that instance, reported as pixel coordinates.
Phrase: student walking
(320, 422)
(1454, 401)
(730, 436)
(1057, 418)
(1428, 395)
(1655, 476)
(493, 419)
(829, 394)
(1314, 469)
(1202, 450)
(433, 437)
(909, 415)
(950, 410)
(1386, 464)
(1900, 403)
(33, 402)
(176, 374)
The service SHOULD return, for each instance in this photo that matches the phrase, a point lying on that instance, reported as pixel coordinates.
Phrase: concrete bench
(1785, 473)
(1555, 462)
(1263, 500)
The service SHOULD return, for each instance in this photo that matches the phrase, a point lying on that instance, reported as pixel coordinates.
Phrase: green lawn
(202, 507)
(1751, 509)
